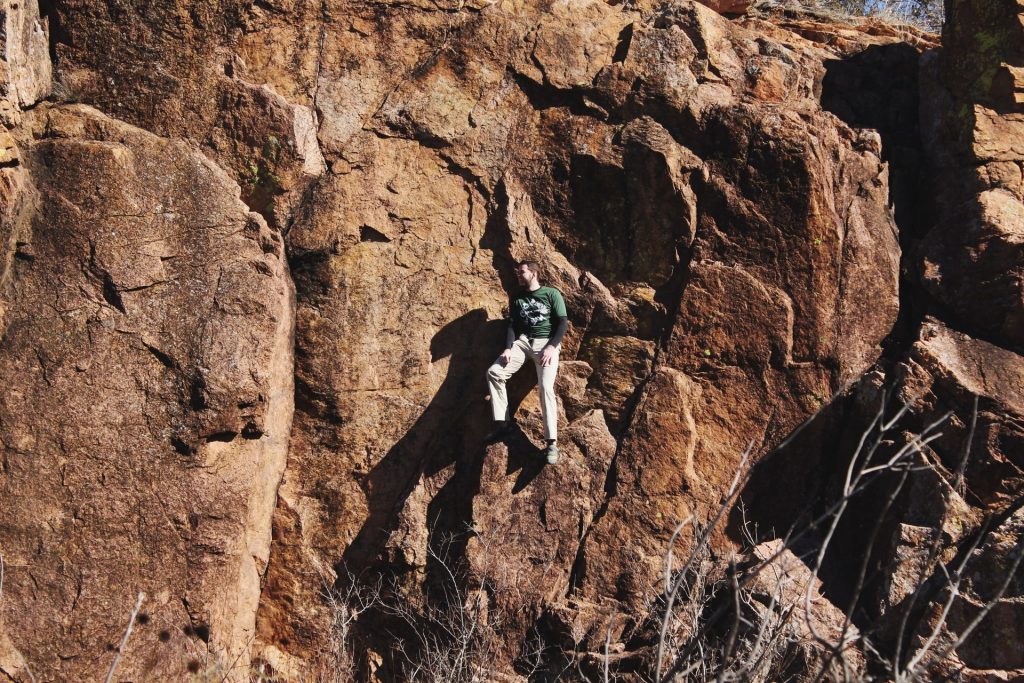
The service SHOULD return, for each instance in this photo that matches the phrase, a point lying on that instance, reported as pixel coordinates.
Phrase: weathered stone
(148, 355)
(971, 261)
(24, 54)
(528, 520)
(725, 245)
(997, 137)
(945, 371)
(575, 40)
(963, 479)
(784, 585)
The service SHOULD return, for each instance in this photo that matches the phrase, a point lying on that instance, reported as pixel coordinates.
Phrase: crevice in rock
(610, 488)
(301, 209)
(164, 359)
(252, 431)
(111, 294)
(622, 49)
(223, 437)
(578, 570)
(467, 175)
(182, 447)
(50, 10)
(197, 393)
(878, 89)
(543, 97)
(423, 137)
(670, 295)
(24, 256)
(368, 234)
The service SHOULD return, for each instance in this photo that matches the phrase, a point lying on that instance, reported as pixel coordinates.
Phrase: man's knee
(495, 373)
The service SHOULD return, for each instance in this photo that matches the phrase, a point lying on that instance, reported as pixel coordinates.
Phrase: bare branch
(127, 635)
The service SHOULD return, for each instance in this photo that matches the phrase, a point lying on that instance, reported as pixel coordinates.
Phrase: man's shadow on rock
(448, 433)
(523, 458)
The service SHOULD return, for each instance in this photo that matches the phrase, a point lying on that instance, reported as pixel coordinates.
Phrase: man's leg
(548, 402)
(497, 375)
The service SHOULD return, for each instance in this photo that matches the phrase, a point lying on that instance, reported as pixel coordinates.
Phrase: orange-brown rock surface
(256, 258)
(147, 365)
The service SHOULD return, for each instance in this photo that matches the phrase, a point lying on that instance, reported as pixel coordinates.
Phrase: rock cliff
(255, 259)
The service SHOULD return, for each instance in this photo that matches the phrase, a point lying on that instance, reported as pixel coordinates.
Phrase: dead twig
(127, 635)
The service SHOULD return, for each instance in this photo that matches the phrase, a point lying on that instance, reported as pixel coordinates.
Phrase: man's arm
(560, 323)
(559, 332)
(510, 339)
(548, 353)
(559, 319)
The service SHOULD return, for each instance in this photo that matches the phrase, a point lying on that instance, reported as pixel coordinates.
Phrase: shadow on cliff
(448, 435)
(790, 486)
(438, 439)
(439, 461)
(878, 89)
(793, 492)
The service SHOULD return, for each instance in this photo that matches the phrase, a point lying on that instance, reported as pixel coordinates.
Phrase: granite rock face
(975, 253)
(25, 67)
(654, 190)
(247, 311)
(953, 405)
(147, 359)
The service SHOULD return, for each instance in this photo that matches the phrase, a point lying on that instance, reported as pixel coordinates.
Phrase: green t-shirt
(534, 313)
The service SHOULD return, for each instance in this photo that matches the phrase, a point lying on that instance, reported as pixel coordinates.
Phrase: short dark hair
(531, 264)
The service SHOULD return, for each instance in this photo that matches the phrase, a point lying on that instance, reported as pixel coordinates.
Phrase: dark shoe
(501, 430)
(552, 453)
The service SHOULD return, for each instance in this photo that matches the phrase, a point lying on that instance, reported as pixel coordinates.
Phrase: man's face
(524, 274)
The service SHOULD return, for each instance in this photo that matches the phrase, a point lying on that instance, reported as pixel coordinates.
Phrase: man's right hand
(506, 356)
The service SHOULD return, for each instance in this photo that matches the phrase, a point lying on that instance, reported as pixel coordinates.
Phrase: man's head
(528, 273)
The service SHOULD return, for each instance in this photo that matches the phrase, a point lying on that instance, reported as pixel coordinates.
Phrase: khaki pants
(497, 374)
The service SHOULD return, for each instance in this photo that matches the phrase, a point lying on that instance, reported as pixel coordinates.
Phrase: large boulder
(145, 419)
(952, 516)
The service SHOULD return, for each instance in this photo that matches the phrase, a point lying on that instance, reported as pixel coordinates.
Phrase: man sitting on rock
(537, 323)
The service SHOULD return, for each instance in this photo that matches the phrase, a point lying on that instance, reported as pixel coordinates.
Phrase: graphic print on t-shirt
(533, 311)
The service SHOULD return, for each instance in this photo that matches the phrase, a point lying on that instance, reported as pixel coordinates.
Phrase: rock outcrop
(249, 287)
(976, 125)
(974, 508)
(655, 190)
(147, 359)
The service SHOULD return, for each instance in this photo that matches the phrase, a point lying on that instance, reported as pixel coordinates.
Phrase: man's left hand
(547, 356)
